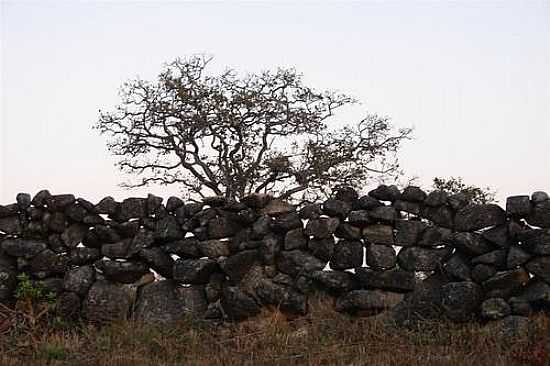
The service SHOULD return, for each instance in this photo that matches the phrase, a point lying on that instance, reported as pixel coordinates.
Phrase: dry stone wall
(412, 254)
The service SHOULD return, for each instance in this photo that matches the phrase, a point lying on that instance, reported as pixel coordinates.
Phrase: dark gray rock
(336, 208)
(359, 218)
(422, 259)
(498, 236)
(384, 214)
(10, 225)
(237, 265)
(461, 300)
(381, 257)
(39, 198)
(261, 227)
(321, 248)
(238, 305)
(23, 201)
(436, 198)
(519, 306)
(434, 236)
(8, 283)
(222, 227)
(458, 201)
(81, 256)
(143, 239)
(214, 248)
(48, 261)
(283, 297)
(173, 204)
(79, 280)
(107, 206)
(536, 293)
(269, 248)
(322, 228)
(385, 193)
(154, 204)
(495, 308)
(295, 239)
(441, 215)
(347, 231)
(539, 196)
(335, 281)
(372, 301)
(185, 248)
(424, 303)
(379, 234)
(124, 272)
(475, 217)
(519, 206)
(482, 272)
(536, 242)
(311, 211)
(540, 267)
(132, 208)
(76, 212)
(470, 243)
(367, 203)
(458, 267)
(166, 302)
(74, 235)
(107, 301)
(295, 261)
(107, 234)
(348, 254)
(159, 261)
(506, 283)
(22, 247)
(194, 271)
(408, 232)
(414, 208)
(93, 219)
(512, 328)
(516, 257)
(168, 229)
(55, 221)
(283, 223)
(496, 258)
(413, 194)
(59, 202)
(393, 280)
(12, 210)
(67, 305)
(118, 250)
(346, 194)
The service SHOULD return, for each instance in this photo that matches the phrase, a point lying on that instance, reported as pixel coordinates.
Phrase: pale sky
(471, 77)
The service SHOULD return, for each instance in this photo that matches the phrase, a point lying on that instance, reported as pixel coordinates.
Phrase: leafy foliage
(473, 193)
(232, 135)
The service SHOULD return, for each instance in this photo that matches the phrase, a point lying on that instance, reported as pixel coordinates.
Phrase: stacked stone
(224, 259)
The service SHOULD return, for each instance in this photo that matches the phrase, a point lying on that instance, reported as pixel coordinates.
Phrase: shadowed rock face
(220, 259)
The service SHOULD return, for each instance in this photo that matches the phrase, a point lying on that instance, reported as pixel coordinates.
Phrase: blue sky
(472, 78)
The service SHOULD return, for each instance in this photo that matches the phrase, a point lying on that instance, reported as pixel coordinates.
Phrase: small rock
(519, 206)
(79, 280)
(413, 194)
(369, 300)
(393, 280)
(460, 300)
(422, 259)
(348, 254)
(386, 193)
(495, 308)
(379, 234)
(194, 271)
(381, 257)
(336, 208)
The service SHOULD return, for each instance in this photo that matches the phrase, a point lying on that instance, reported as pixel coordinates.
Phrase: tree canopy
(231, 135)
(473, 194)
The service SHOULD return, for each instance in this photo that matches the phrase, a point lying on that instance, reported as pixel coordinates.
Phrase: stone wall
(414, 254)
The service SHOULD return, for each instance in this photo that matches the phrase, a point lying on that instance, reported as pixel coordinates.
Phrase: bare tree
(231, 135)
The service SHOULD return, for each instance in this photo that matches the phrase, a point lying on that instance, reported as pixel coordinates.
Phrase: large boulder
(107, 301)
(393, 280)
(461, 300)
(348, 254)
(124, 272)
(371, 301)
(475, 217)
(296, 261)
(166, 302)
(237, 304)
(408, 232)
(381, 257)
(79, 280)
(284, 297)
(422, 259)
(194, 271)
(25, 248)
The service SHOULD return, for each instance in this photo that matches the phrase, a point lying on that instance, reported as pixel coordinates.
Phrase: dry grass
(324, 337)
